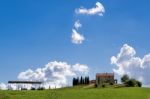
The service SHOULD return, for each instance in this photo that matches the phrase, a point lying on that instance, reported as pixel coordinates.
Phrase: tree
(139, 84)
(78, 81)
(124, 78)
(130, 82)
(73, 81)
(85, 80)
(81, 80)
(88, 80)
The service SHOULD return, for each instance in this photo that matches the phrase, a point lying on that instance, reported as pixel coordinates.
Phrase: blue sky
(35, 32)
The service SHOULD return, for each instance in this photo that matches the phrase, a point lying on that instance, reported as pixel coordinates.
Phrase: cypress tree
(88, 80)
(78, 81)
(81, 80)
(73, 81)
(85, 80)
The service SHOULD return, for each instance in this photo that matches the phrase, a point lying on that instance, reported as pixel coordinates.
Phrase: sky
(34, 33)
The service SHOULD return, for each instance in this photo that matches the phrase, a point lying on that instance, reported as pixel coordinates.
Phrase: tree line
(80, 81)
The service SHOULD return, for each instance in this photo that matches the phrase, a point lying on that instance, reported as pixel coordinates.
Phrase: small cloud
(127, 62)
(3, 86)
(76, 37)
(98, 10)
(77, 24)
(81, 68)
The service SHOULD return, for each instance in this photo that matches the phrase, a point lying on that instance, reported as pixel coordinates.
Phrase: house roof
(24, 82)
(104, 74)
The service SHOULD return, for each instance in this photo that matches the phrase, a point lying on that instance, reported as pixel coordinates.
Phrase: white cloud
(76, 37)
(81, 68)
(127, 62)
(3, 86)
(99, 10)
(77, 24)
(54, 74)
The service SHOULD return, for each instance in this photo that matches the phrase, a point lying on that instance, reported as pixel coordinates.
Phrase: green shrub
(139, 84)
(41, 88)
(103, 85)
(130, 82)
(124, 78)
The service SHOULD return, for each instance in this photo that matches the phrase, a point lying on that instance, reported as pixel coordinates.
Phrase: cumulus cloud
(76, 37)
(80, 68)
(77, 24)
(98, 10)
(54, 74)
(3, 86)
(127, 62)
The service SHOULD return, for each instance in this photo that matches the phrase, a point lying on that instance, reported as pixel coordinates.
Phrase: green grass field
(79, 93)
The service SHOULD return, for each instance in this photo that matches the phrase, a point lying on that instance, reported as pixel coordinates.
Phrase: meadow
(79, 93)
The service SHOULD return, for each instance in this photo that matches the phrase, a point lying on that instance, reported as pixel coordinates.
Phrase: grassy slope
(80, 93)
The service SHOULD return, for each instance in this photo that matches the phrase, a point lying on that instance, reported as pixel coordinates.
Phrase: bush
(124, 78)
(23, 88)
(139, 84)
(103, 85)
(130, 82)
(33, 88)
(96, 85)
(41, 88)
(111, 83)
(134, 83)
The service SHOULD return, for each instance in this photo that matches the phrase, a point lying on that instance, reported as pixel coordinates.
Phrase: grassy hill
(79, 93)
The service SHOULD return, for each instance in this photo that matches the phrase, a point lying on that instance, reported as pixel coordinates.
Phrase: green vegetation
(124, 78)
(80, 92)
(81, 81)
(130, 82)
